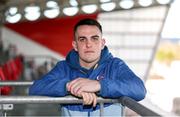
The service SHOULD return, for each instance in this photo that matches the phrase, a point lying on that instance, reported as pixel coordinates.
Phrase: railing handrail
(41, 56)
(16, 83)
(45, 99)
(137, 107)
(126, 101)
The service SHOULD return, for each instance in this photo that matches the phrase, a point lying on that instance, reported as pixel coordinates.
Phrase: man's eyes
(95, 38)
(82, 39)
(85, 39)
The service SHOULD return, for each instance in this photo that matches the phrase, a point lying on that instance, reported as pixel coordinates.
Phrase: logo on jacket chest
(100, 77)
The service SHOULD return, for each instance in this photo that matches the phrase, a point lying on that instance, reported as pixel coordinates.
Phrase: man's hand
(89, 98)
(79, 85)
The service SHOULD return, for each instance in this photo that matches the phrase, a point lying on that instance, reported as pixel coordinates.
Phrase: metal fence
(125, 101)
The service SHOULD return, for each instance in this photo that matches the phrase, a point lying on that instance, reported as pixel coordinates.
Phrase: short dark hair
(88, 21)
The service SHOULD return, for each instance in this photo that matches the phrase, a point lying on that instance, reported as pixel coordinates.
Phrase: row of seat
(10, 71)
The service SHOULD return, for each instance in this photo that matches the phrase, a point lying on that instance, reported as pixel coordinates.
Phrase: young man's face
(88, 43)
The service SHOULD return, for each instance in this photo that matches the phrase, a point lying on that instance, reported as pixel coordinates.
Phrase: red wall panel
(55, 34)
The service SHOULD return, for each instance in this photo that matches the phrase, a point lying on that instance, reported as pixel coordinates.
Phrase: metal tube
(45, 100)
(101, 109)
(138, 108)
(16, 83)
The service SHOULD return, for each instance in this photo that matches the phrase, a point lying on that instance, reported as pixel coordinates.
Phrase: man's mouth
(89, 51)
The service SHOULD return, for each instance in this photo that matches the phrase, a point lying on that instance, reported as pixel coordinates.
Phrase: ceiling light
(70, 11)
(13, 19)
(108, 6)
(51, 13)
(52, 10)
(12, 15)
(163, 1)
(32, 13)
(12, 10)
(105, 1)
(89, 8)
(145, 3)
(51, 4)
(126, 4)
(73, 2)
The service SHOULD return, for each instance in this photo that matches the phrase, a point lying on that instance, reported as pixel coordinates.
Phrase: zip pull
(95, 66)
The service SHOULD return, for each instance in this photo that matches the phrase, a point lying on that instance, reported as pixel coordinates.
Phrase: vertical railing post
(101, 109)
(123, 111)
(1, 113)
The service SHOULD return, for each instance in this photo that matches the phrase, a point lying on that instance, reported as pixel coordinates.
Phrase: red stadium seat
(5, 90)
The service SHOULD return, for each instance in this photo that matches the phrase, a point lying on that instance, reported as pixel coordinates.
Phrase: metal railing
(16, 83)
(47, 100)
(125, 101)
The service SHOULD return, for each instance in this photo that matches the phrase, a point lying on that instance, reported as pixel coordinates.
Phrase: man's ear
(103, 43)
(74, 44)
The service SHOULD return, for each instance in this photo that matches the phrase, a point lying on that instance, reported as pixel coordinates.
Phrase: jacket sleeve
(122, 82)
(53, 83)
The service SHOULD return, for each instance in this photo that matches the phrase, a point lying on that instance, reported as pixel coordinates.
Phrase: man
(90, 71)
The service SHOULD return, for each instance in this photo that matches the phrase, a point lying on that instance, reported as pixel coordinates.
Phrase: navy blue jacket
(115, 77)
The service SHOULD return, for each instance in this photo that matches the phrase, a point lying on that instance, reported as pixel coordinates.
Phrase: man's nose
(88, 43)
